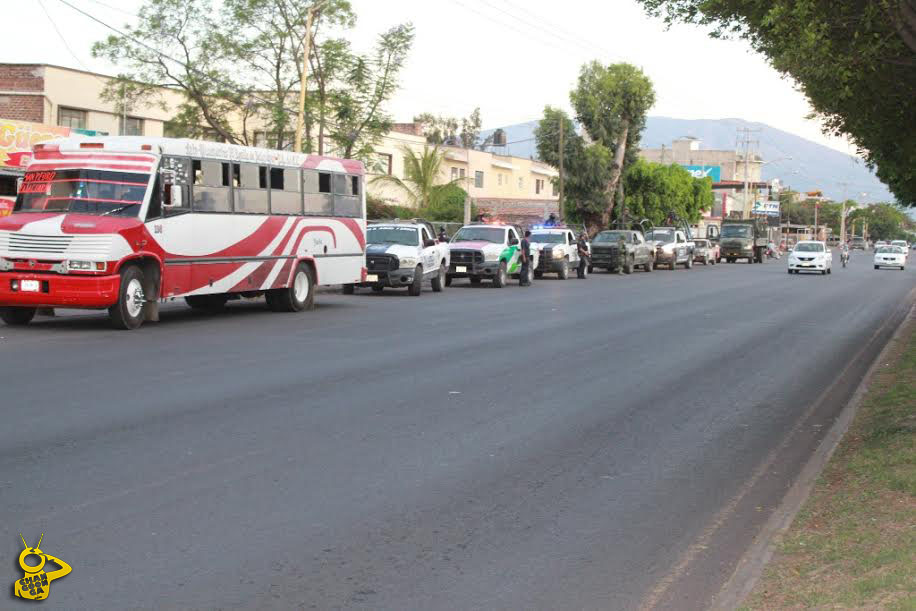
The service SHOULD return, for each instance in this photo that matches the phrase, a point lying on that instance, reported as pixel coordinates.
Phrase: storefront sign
(18, 137)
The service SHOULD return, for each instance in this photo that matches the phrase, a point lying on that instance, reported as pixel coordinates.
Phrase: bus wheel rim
(134, 298)
(301, 286)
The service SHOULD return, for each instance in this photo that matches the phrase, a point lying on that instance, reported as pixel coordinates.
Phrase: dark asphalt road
(574, 445)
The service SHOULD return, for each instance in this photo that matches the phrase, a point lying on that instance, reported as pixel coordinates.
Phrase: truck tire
(349, 289)
(17, 316)
(439, 281)
(377, 288)
(689, 262)
(127, 313)
(502, 277)
(563, 274)
(475, 280)
(729, 260)
(649, 266)
(751, 259)
(706, 260)
(538, 275)
(416, 287)
(298, 296)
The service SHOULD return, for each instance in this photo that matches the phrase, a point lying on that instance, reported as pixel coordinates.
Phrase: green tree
(611, 103)
(655, 190)
(586, 168)
(885, 221)
(422, 173)
(451, 131)
(855, 60)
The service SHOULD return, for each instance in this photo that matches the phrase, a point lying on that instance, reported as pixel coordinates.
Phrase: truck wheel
(501, 277)
(705, 260)
(650, 265)
(349, 289)
(417, 285)
(439, 281)
(377, 288)
(298, 296)
(475, 280)
(17, 316)
(563, 274)
(628, 266)
(689, 262)
(538, 275)
(207, 303)
(729, 260)
(750, 259)
(127, 313)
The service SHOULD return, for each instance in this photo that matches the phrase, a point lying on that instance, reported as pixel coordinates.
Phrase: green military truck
(743, 239)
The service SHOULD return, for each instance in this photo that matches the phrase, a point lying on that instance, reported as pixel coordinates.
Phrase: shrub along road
(606, 443)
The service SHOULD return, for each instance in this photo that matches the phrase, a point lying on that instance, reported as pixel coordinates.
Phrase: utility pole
(306, 52)
(562, 150)
(843, 215)
(748, 204)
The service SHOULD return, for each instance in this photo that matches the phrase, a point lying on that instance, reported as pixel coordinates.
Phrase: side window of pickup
(513, 237)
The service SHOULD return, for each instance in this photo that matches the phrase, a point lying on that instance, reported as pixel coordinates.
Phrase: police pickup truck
(400, 254)
(487, 251)
(637, 252)
(558, 251)
(672, 247)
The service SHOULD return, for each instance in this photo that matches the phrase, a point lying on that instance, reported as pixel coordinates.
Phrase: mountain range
(811, 166)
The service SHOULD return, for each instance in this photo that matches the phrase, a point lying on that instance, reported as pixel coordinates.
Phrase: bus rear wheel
(17, 316)
(298, 296)
(127, 313)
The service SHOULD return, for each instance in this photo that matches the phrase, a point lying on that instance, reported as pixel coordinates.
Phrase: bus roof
(185, 147)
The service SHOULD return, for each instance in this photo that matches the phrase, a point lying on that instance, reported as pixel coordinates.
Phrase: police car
(557, 249)
(487, 251)
(403, 254)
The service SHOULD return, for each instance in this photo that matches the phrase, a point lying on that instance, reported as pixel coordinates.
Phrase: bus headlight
(87, 266)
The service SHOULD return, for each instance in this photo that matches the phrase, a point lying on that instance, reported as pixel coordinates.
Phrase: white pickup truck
(559, 251)
(403, 254)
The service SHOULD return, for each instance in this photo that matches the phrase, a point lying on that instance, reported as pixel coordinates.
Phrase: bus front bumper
(58, 290)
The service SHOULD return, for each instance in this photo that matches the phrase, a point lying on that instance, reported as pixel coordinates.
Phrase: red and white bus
(125, 223)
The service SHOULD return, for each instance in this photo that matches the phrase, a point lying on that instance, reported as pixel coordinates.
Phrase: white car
(559, 251)
(890, 256)
(902, 244)
(811, 256)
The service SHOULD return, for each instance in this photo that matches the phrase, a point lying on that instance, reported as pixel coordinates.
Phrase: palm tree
(421, 175)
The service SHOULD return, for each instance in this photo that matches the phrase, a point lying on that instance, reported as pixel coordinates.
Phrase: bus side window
(209, 191)
(317, 188)
(284, 191)
(252, 197)
(154, 210)
(354, 185)
(346, 189)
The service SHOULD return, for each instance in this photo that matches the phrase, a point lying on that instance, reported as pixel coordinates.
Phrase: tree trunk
(616, 170)
(622, 215)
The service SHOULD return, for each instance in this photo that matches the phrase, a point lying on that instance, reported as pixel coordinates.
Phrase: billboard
(702, 171)
(767, 207)
(18, 137)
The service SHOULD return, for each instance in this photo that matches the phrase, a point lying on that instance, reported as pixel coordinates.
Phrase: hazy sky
(510, 57)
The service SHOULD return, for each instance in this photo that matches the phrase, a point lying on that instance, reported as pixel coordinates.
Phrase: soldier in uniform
(621, 253)
(525, 256)
(582, 247)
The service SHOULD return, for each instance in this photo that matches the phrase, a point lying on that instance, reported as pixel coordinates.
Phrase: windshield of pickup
(84, 191)
(548, 238)
(496, 235)
(408, 236)
(661, 235)
(736, 231)
(611, 236)
(897, 250)
(809, 247)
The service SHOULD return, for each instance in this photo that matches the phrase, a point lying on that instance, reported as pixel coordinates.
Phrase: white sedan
(811, 256)
(890, 256)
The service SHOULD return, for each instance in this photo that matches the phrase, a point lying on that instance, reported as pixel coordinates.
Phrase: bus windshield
(82, 191)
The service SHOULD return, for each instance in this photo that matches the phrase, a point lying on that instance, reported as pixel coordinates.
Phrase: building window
(478, 179)
(461, 173)
(131, 126)
(454, 173)
(384, 164)
(499, 179)
(538, 186)
(71, 117)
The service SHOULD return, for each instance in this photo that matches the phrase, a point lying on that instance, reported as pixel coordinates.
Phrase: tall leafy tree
(451, 131)
(655, 190)
(855, 60)
(611, 103)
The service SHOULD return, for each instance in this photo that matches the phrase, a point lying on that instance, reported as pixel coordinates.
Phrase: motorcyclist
(844, 253)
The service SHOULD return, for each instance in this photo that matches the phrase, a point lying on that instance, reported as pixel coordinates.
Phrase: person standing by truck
(584, 255)
(621, 253)
(524, 276)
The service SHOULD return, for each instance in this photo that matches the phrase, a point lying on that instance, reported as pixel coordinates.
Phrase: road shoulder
(853, 542)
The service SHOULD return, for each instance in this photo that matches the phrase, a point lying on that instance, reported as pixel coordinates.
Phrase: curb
(753, 562)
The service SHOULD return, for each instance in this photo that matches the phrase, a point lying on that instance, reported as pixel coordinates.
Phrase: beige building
(53, 95)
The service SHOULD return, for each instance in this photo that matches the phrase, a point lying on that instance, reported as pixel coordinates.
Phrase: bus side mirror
(175, 198)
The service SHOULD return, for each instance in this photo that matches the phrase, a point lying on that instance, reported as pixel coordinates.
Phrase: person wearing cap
(524, 254)
(443, 236)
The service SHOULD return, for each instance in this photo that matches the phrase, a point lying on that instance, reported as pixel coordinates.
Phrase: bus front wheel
(17, 316)
(298, 296)
(127, 313)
